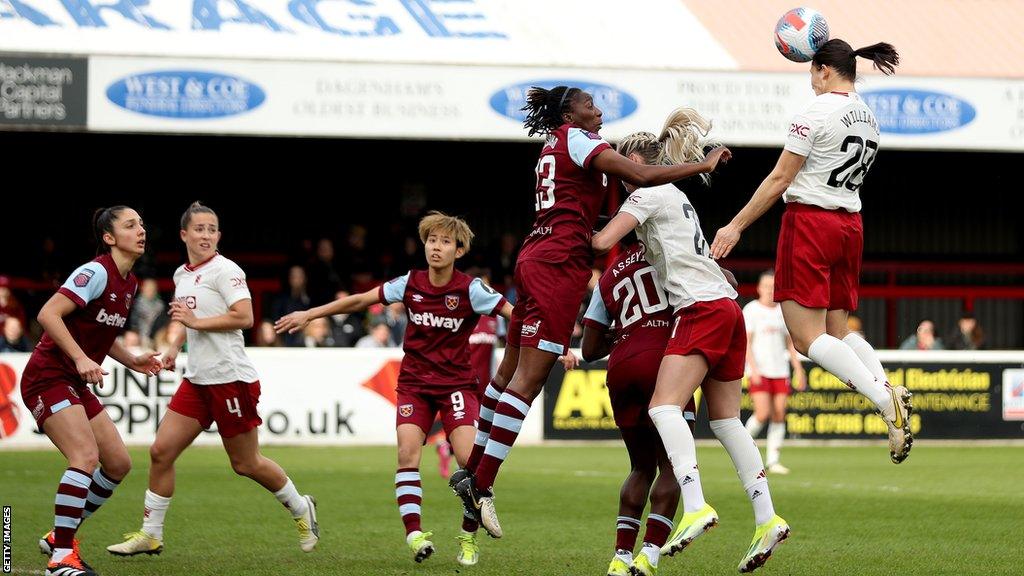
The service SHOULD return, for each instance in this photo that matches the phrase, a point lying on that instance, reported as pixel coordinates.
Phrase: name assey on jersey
(430, 319)
(114, 319)
(633, 259)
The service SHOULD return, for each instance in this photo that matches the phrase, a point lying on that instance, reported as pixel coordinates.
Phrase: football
(800, 33)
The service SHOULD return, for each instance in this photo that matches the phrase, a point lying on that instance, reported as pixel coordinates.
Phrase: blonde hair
(682, 139)
(454, 226)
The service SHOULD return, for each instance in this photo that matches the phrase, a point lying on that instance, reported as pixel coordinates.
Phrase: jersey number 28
(862, 154)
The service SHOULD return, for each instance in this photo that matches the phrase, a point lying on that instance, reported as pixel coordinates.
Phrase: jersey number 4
(651, 299)
(851, 173)
(545, 183)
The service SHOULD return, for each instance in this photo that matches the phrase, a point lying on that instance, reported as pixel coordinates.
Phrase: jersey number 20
(651, 301)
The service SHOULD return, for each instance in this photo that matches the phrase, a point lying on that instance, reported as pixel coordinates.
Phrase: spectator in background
(317, 334)
(324, 279)
(131, 339)
(49, 262)
(13, 338)
(9, 304)
(503, 261)
(409, 256)
(397, 320)
(379, 337)
(294, 300)
(357, 262)
(148, 312)
(266, 336)
(967, 335)
(924, 339)
(346, 329)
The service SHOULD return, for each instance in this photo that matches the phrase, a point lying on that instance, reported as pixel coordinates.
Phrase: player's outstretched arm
(644, 175)
(506, 311)
(296, 321)
(610, 235)
(769, 192)
(146, 362)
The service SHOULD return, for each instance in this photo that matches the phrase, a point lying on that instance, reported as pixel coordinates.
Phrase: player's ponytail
(684, 138)
(103, 223)
(883, 55)
(841, 57)
(544, 108)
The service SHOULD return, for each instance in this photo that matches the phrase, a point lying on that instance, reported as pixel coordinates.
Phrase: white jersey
(675, 246)
(768, 333)
(210, 289)
(838, 134)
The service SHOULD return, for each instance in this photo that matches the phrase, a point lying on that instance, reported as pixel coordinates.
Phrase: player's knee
(118, 467)
(244, 467)
(85, 459)
(160, 455)
(408, 456)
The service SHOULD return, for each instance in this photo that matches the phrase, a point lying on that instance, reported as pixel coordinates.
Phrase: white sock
(833, 355)
(776, 434)
(153, 517)
(747, 461)
(624, 555)
(754, 426)
(411, 535)
(291, 499)
(652, 552)
(867, 355)
(682, 452)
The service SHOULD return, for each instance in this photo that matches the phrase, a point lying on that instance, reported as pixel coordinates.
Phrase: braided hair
(544, 108)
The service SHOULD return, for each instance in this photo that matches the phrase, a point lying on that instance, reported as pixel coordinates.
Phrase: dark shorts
(458, 407)
(548, 301)
(62, 394)
(631, 383)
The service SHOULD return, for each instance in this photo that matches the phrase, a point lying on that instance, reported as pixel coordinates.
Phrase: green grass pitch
(947, 510)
